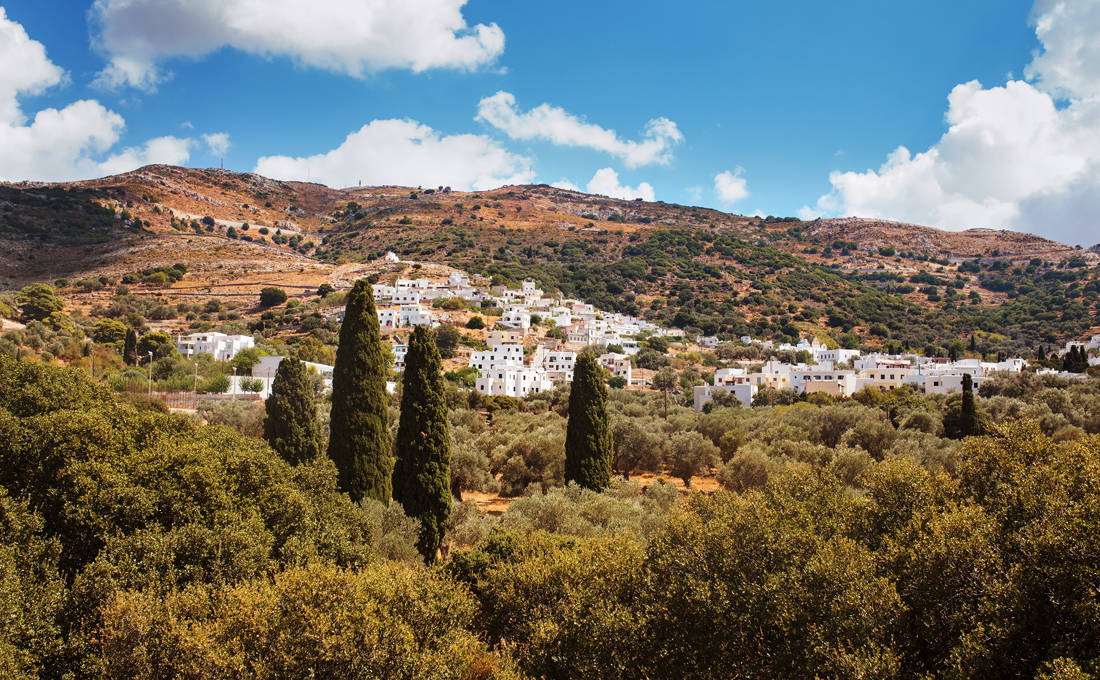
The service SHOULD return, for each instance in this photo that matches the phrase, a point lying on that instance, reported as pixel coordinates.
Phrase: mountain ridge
(690, 266)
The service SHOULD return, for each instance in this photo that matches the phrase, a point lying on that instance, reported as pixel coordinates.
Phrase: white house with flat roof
(559, 364)
(513, 381)
(408, 296)
(744, 392)
(382, 292)
(516, 316)
(618, 365)
(219, 345)
(499, 355)
(404, 317)
(836, 356)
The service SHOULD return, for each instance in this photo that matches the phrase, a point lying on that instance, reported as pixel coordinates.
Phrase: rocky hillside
(692, 267)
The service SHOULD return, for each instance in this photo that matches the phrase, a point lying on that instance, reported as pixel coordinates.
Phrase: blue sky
(782, 108)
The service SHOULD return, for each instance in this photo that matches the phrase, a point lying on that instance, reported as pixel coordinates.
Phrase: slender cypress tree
(129, 347)
(291, 425)
(359, 435)
(968, 415)
(422, 472)
(588, 444)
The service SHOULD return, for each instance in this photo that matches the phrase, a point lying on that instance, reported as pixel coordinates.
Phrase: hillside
(852, 279)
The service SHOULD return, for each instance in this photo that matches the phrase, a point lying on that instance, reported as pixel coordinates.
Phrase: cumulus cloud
(1012, 157)
(170, 150)
(558, 126)
(217, 142)
(565, 184)
(730, 186)
(27, 70)
(352, 37)
(606, 182)
(1069, 65)
(67, 143)
(407, 153)
(806, 213)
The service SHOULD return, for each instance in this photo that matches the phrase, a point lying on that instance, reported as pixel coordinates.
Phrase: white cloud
(1011, 157)
(217, 142)
(565, 184)
(60, 144)
(558, 126)
(806, 213)
(352, 37)
(169, 150)
(26, 70)
(1069, 65)
(606, 183)
(731, 186)
(405, 152)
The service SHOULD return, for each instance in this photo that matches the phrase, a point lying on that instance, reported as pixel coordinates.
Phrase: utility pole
(234, 393)
(150, 375)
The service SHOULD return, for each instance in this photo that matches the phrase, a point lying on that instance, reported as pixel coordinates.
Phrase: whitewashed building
(834, 356)
(407, 296)
(618, 365)
(559, 364)
(219, 345)
(382, 291)
(513, 381)
(500, 355)
(516, 316)
(404, 317)
(744, 392)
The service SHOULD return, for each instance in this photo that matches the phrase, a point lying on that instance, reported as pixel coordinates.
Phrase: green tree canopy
(271, 296)
(38, 302)
(157, 342)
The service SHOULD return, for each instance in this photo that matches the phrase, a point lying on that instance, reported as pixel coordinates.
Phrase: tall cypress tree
(129, 347)
(291, 425)
(588, 443)
(968, 415)
(422, 472)
(359, 435)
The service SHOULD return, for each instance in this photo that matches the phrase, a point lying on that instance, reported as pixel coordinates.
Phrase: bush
(689, 454)
(219, 383)
(747, 470)
(271, 296)
(408, 621)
